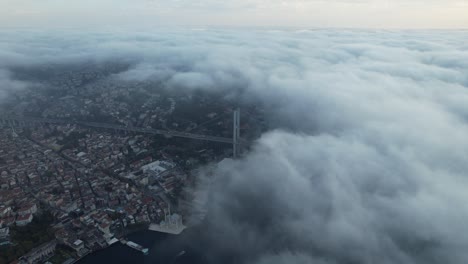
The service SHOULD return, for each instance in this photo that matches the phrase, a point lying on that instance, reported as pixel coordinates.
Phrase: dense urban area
(68, 189)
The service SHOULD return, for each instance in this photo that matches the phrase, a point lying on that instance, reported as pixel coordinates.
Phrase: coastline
(123, 234)
(119, 253)
(163, 248)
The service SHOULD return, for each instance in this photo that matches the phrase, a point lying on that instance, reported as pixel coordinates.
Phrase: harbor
(163, 248)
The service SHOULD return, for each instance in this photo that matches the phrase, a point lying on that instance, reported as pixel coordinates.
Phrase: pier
(173, 230)
(135, 246)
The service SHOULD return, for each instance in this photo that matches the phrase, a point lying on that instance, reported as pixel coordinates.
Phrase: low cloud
(9, 84)
(328, 199)
(366, 160)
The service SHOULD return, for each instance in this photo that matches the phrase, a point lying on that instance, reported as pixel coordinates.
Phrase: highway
(17, 119)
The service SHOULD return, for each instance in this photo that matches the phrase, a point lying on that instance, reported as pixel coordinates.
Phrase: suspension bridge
(236, 141)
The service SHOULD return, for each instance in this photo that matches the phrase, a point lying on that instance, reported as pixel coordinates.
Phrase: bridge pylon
(236, 133)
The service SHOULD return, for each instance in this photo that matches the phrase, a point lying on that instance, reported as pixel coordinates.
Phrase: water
(163, 249)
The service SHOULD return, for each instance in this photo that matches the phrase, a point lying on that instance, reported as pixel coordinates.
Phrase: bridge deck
(118, 127)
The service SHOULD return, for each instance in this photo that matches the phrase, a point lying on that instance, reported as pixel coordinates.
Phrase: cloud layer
(367, 159)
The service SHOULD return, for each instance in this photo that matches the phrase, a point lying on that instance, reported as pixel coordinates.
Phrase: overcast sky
(271, 13)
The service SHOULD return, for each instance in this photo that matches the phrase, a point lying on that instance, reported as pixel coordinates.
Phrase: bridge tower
(236, 133)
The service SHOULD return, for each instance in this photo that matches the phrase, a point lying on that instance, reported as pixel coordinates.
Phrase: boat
(138, 247)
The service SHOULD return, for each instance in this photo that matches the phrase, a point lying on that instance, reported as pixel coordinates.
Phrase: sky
(365, 161)
(234, 13)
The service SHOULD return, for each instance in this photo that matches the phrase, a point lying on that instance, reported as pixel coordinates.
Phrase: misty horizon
(295, 13)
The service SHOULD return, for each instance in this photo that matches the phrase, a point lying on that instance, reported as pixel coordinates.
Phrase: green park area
(25, 238)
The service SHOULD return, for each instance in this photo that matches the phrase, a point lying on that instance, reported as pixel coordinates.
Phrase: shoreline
(142, 236)
(119, 237)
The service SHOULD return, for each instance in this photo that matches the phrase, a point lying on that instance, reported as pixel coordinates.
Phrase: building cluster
(18, 167)
(94, 93)
(90, 94)
(95, 188)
